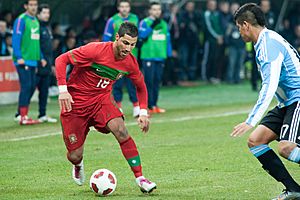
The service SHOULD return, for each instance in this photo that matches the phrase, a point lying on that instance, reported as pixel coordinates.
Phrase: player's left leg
(130, 152)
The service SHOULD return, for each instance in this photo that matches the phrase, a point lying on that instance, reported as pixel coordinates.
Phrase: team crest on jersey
(119, 76)
(72, 138)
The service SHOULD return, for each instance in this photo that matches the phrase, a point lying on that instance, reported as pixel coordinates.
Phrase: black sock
(274, 166)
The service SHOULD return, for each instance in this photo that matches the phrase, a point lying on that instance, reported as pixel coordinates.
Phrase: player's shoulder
(133, 15)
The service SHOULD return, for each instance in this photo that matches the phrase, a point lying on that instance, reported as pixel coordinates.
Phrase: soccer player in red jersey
(85, 99)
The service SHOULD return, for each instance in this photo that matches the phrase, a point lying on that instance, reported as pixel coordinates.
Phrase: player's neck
(256, 32)
(124, 16)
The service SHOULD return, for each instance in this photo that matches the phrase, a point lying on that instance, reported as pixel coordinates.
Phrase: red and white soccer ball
(103, 182)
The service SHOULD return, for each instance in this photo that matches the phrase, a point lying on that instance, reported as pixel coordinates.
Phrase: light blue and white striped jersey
(279, 66)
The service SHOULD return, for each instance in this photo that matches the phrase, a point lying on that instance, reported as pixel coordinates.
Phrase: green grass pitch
(188, 152)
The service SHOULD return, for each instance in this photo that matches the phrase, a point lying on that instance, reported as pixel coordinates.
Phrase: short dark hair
(43, 6)
(251, 13)
(27, 1)
(153, 4)
(129, 29)
(123, 1)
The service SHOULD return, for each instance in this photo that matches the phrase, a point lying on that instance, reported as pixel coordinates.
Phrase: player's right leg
(75, 128)
(258, 141)
(76, 158)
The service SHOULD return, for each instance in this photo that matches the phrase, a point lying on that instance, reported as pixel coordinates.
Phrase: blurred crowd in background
(206, 43)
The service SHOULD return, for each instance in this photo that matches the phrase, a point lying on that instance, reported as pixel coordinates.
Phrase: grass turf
(188, 152)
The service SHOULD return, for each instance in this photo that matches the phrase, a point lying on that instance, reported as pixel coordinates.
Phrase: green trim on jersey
(134, 162)
(156, 44)
(30, 44)
(73, 57)
(107, 72)
(118, 20)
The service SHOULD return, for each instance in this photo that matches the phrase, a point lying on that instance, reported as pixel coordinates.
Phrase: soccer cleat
(18, 118)
(287, 195)
(156, 110)
(28, 121)
(47, 119)
(78, 173)
(145, 185)
(136, 111)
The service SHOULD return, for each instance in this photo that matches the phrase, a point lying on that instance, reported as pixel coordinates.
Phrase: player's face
(125, 45)
(244, 31)
(3, 26)
(155, 11)
(44, 15)
(124, 9)
(31, 7)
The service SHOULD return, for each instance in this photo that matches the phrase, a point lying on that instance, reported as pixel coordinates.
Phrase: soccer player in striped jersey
(279, 65)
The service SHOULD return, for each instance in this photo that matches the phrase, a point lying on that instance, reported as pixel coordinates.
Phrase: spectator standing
(213, 41)
(155, 50)
(225, 19)
(27, 56)
(286, 30)
(4, 49)
(8, 17)
(296, 42)
(269, 14)
(171, 69)
(236, 49)
(189, 42)
(44, 72)
(111, 28)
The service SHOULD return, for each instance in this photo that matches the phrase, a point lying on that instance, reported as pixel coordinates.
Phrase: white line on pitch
(159, 121)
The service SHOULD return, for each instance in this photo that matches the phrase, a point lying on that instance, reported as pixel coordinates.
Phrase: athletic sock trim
(259, 150)
(295, 155)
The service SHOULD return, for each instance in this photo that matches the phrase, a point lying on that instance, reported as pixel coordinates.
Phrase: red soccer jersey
(95, 70)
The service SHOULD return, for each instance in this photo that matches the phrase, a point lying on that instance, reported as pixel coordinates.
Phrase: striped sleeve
(270, 63)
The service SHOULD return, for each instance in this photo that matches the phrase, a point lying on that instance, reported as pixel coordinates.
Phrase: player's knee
(75, 156)
(285, 148)
(252, 142)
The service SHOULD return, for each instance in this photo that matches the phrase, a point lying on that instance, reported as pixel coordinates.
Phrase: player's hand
(240, 129)
(65, 101)
(21, 61)
(143, 122)
(220, 40)
(43, 62)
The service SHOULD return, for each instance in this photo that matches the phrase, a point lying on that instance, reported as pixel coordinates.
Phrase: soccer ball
(103, 182)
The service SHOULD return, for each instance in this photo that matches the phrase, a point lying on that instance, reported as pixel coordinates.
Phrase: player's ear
(117, 37)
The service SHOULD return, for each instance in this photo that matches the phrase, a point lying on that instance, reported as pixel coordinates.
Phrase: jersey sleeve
(137, 78)
(79, 57)
(84, 55)
(270, 66)
(108, 31)
(19, 27)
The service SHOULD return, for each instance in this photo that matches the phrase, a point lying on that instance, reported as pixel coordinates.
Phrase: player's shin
(295, 155)
(273, 165)
(131, 154)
